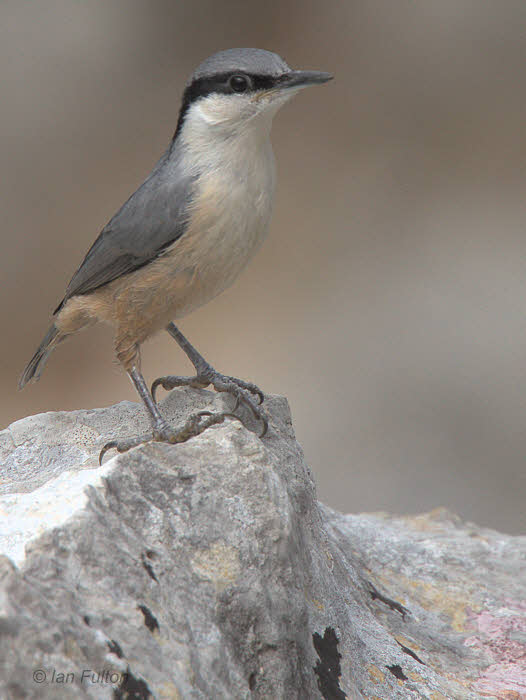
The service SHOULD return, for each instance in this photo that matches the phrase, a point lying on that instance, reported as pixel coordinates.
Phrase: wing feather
(153, 218)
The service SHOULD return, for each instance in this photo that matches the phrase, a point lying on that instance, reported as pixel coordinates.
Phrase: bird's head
(234, 90)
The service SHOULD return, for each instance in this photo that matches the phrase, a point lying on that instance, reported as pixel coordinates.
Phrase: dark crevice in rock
(252, 680)
(328, 667)
(397, 672)
(132, 688)
(397, 607)
(86, 620)
(149, 569)
(149, 619)
(115, 648)
(410, 652)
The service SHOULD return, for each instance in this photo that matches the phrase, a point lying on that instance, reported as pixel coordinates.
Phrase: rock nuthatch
(188, 231)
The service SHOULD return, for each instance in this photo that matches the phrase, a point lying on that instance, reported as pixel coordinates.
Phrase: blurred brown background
(388, 301)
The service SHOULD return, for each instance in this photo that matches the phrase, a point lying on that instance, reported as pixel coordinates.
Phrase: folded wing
(153, 218)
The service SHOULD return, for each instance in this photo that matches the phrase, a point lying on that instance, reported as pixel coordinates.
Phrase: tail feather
(35, 366)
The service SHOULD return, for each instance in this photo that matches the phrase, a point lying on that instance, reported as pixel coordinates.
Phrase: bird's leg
(162, 432)
(206, 374)
(161, 429)
(203, 369)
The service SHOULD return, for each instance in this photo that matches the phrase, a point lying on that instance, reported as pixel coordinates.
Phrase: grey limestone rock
(209, 570)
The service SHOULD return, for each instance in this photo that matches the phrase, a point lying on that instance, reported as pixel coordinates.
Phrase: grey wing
(153, 218)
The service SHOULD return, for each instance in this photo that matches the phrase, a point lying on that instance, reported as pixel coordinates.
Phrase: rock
(209, 570)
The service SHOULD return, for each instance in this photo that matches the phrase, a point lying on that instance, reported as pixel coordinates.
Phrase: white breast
(230, 214)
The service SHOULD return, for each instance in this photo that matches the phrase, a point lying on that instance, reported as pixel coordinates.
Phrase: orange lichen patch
(168, 691)
(314, 601)
(432, 597)
(416, 677)
(380, 581)
(407, 642)
(435, 695)
(317, 604)
(504, 695)
(376, 675)
(432, 521)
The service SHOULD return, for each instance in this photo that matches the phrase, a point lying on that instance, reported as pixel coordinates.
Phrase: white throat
(222, 131)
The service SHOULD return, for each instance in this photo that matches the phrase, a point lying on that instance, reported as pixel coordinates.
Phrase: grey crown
(255, 61)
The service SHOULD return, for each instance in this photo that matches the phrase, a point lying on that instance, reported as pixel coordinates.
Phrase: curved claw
(238, 392)
(248, 386)
(157, 383)
(107, 447)
(253, 389)
(123, 445)
(236, 406)
(265, 426)
(259, 394)
(218, 417)
(257, 415)
(171, 381)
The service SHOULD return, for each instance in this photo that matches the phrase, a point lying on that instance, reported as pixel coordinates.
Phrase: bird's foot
(195, 425)
(207, 375)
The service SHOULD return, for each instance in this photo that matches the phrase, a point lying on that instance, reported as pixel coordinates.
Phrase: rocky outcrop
(209, 570)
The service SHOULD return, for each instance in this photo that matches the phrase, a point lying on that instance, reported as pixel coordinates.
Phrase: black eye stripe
(219, 83)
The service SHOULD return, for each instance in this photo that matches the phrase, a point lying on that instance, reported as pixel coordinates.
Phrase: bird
(187, 232)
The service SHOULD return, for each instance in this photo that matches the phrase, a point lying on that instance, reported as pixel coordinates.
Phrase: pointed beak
(303, 78)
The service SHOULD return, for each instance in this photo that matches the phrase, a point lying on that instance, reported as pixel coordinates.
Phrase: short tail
(34, 369)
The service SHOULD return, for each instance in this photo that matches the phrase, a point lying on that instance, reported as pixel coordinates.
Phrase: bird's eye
(239, 83)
